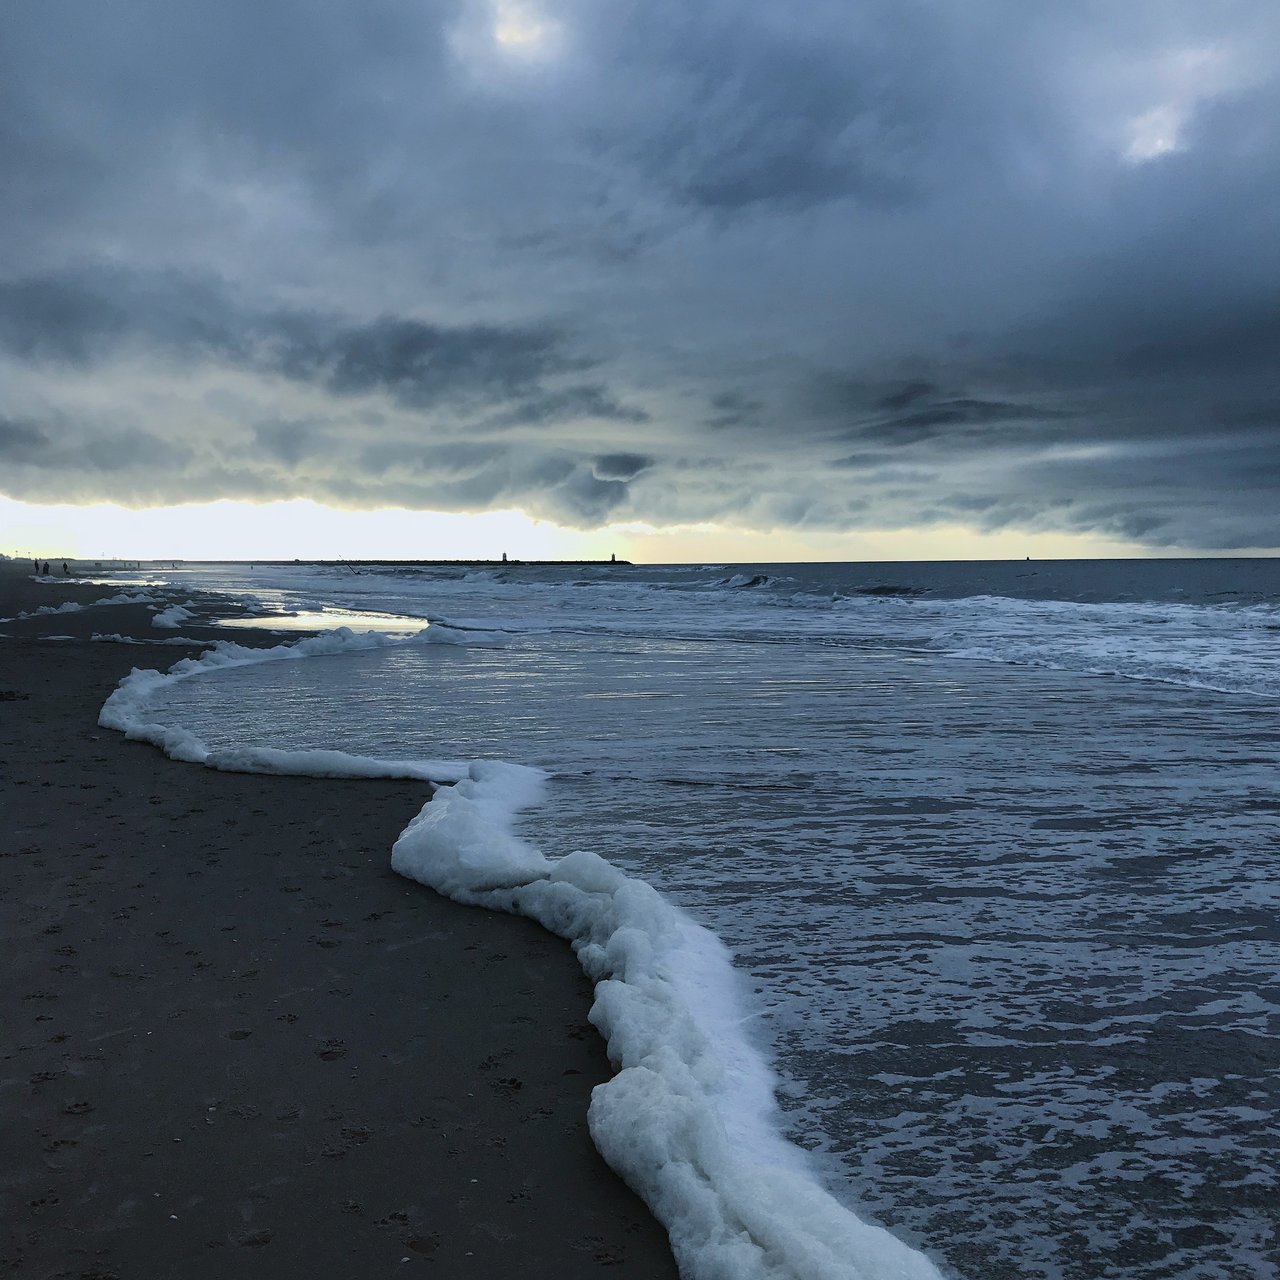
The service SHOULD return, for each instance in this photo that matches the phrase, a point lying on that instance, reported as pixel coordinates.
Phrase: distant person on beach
(37, 564)
(66, 573)
(46, 569)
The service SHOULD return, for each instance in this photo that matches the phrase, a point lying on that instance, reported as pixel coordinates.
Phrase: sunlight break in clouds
(1156, 132)
(520, 28)
(1183, 81)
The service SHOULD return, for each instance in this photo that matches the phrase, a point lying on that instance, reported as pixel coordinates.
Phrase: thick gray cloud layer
(846, 266)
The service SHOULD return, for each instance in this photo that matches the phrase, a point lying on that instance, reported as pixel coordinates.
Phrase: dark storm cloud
(442, 459)
(565, 488)
(951, 418)
(1218, 345)
(731, 409)
(50, 320)
(855, 266)
(746, 112)
(58, 462)
(584, 401)
(907, 395)
(794, 124)
(923, 412)
(417, 364)
(85, 319)
(620, 466)
(20, 441)
(290, 442)
(83, 316)
(125, 453)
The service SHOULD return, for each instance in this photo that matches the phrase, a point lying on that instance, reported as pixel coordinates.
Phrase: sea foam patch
(689, 1120)
(173, 615)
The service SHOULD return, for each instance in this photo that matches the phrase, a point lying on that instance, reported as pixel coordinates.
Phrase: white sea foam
(446, 633)
(690, 1119)
(173, 616)
(1223, 649)
(71, 606)
(124, 597)
(116, 638)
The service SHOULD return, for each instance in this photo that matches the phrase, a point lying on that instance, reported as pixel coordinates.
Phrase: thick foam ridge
(689, 1120)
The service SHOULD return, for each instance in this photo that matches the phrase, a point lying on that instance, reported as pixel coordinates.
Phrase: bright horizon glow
(286, 530)
(305, 530)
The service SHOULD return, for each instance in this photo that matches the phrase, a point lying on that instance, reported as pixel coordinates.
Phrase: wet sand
(236, 1043)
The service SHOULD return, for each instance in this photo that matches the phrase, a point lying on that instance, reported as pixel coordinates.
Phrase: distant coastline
(482, 563)
(107, 562)
(360, 564)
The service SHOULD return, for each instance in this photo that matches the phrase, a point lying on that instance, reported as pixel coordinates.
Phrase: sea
(989, 854)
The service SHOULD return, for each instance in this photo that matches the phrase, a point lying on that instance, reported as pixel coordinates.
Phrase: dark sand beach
(237, 1044)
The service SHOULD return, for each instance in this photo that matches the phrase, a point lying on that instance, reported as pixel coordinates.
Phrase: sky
(874, 280)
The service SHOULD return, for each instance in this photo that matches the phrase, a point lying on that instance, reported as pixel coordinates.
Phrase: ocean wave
(891, 589)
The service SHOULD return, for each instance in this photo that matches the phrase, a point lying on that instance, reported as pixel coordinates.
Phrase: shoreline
(240, 1042)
